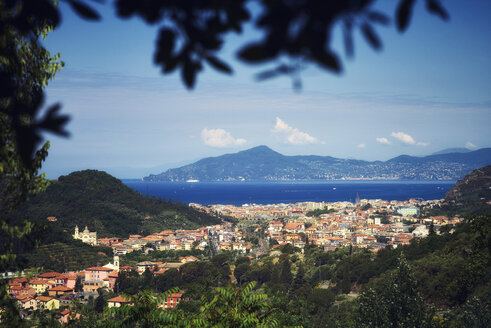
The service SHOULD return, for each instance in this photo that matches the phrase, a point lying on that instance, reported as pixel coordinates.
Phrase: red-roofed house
(294, 227)
(47, 303)
(26, 302)
(39, 285)
(95, 278)
(171, 301)
(60, 291)
(118, 301)
(66, 315)
(49, 275)
(275, 226)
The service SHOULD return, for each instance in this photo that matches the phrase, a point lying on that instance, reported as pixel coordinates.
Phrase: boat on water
(192, 180)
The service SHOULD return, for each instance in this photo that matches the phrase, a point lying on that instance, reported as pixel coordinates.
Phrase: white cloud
(407, 139)
(470, 145)
(293, 135)
(220, 138)
(384, 141)
(362, 145)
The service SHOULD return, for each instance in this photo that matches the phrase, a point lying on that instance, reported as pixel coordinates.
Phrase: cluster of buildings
(365, 223)
(224, 236)
(53, 290)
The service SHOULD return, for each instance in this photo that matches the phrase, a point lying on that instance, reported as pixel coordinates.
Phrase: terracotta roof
(98, 269)
(49, 275)
(61, 289)
(119, 299)
(25, 299)
(19, 280)
(293, 225)
(44, 298)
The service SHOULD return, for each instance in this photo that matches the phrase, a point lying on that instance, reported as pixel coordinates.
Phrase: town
(249, 230)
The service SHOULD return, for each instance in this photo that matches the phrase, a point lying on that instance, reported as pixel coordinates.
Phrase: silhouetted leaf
(55, 122)
(27, 139)
(84, 11)
(348, 39)
(328, 60)
(165, 45)
(403, 14)
(265, 75)
(218, 64)
(371, 36)
(256, 53)
(280, 70)
(188, 73)
(436, 8)
(378, 17)
(170, 64)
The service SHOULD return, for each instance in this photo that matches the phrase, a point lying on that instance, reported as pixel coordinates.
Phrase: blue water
(238, 193)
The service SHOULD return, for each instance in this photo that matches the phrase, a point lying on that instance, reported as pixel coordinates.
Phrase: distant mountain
(452, 150)
(264, 164)
(104, 204)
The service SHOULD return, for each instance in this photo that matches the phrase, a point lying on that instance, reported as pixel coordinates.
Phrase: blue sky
(429, 89)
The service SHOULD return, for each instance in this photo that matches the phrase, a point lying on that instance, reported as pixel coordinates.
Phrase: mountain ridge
(261, 163)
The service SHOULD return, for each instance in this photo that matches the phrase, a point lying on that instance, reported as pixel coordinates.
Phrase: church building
(86, 236)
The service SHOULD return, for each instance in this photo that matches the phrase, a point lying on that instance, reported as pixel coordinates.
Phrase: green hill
(62, 257)
(104, 204)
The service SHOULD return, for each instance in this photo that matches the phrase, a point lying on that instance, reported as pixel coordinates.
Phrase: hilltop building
(86, 236)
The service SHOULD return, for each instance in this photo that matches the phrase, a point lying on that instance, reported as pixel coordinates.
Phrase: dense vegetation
(104, 204)
(469, 196)
(62, 257)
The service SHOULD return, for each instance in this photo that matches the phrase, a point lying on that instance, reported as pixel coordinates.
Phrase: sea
(245, 192)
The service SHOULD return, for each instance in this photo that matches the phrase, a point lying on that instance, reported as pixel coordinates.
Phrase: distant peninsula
(264, 164)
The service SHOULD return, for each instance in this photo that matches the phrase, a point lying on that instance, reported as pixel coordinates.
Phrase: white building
(408, 211)
(86, 236)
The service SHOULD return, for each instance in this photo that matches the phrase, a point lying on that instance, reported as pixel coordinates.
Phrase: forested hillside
(469, 196)
(104, 204)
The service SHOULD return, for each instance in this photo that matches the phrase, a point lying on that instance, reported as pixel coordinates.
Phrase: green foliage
(235, 307)
(61, 257)
(240, 270)
(134, 257)
(144, 312)
(103, 203)
(318, 212)
(396, 304)
(25, 69)
(78, 284)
